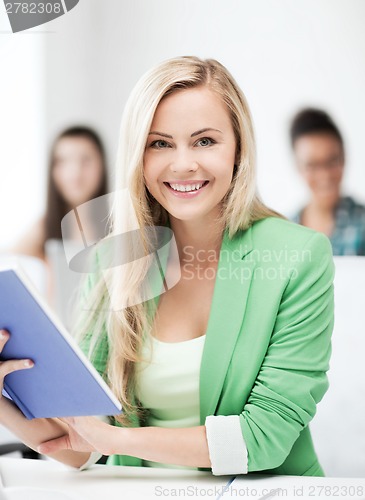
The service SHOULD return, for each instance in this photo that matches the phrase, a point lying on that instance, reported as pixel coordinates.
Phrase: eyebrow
(192, 135)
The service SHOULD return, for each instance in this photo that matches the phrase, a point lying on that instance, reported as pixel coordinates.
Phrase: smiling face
(190, 154)
(77, 169)
(320, 160)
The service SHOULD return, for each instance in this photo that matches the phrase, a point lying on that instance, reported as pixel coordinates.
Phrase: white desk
(133, 483)
(102, 482)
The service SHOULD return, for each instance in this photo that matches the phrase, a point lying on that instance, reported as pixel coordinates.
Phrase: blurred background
(285, 55)
(81, 67)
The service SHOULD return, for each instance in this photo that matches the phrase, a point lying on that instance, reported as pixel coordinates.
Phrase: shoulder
(296, 216)
(282, 244)
(351, 206)
(303, 254)
(32, 242)
(37, 231)
(40, 227)
(274, 232)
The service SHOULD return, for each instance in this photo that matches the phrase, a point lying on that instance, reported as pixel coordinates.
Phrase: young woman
(226, 372)
(76, 174)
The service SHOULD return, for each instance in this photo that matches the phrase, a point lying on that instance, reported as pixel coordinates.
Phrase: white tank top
(169, 385)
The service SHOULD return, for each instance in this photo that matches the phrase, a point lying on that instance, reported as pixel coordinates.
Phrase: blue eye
(154, 144)
(211, 141)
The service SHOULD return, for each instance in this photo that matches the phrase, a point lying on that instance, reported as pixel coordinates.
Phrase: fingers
(68, 420)
(79, 424)
(4, 335)
(12, 365)
(84, 426)
(61, 443)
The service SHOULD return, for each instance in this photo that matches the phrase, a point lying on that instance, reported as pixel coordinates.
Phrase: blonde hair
(241, 206)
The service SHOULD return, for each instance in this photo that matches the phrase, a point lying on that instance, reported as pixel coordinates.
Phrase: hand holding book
(62, 381)
(10, 365)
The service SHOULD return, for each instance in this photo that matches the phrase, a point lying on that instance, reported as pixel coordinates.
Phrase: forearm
(185, 446)
(34, 432)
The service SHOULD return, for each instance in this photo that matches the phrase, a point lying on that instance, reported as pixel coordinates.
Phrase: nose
(74, 173)
(184, 162)
(324, 174)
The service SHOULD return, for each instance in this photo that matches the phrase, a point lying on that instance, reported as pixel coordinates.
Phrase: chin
(184, 217)
(187, 215)
(328, 201)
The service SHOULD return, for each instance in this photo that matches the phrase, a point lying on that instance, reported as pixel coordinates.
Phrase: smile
(186, 190)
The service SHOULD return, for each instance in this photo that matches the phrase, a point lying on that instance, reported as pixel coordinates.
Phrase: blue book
(62, 382)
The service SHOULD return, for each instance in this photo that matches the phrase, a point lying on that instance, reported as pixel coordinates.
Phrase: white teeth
(187, 187)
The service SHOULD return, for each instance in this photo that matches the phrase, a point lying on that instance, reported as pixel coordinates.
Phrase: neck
(197, 239)
(322, 209)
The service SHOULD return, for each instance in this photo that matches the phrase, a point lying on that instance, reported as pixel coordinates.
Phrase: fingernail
(28, 363)
(2, 334)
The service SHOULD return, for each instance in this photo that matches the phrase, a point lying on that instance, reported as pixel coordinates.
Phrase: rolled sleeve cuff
(227, 448)
(94, 457)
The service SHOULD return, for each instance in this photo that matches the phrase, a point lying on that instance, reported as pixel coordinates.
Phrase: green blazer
(268, 343)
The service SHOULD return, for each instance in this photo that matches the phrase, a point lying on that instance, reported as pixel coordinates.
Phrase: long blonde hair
(124, 328)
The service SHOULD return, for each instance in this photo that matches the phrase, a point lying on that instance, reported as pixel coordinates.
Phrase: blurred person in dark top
(320, 158)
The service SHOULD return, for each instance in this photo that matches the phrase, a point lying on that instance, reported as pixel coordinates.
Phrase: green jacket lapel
(232, 285)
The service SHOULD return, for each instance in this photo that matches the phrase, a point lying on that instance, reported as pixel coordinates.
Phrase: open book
(62, 381)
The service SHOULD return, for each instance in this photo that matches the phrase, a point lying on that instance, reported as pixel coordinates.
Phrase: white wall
(338, 426)
(22, 131)
(284, 54)
(82, 66)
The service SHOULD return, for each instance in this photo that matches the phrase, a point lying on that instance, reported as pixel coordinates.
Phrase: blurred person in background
(77, 173)
(320, 157)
